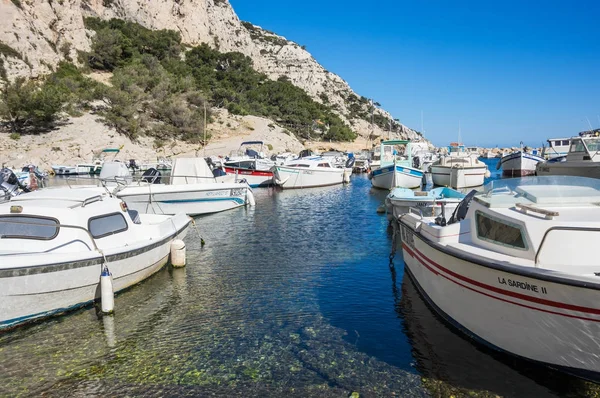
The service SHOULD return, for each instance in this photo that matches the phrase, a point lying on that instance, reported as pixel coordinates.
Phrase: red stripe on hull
(416, 254)
(246, 172)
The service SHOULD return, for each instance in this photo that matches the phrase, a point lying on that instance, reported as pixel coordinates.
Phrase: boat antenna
(590, 124)
(422, 132)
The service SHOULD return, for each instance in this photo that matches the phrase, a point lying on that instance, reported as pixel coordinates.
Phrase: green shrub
(15, 136)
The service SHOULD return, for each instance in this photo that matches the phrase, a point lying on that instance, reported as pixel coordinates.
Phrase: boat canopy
(388, 153)
(191, 171)
(251, 143)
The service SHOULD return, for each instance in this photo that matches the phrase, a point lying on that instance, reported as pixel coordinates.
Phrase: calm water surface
(294, 297)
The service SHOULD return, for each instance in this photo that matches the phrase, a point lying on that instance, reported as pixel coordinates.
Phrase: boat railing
(57, 225)
(559, 228)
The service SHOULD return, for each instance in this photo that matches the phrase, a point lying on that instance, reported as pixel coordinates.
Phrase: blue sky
(506, 70)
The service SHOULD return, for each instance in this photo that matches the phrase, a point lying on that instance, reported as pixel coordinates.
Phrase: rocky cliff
(36, 34)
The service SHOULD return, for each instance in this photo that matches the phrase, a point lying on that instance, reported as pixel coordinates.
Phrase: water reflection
(452, 364)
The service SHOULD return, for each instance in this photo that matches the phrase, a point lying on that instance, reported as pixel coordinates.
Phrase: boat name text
(522, 285)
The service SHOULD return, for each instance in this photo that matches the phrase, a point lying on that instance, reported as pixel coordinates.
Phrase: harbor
(288, 297)
(223, 198)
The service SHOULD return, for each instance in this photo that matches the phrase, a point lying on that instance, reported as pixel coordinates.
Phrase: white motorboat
(516, 268)
(192, 190)
(309, 172)
(557, 147)
(394, 172)
(54, 244)
(427, 203)
(424, 159)
(583, 159)
(519, 163)
(458, 169)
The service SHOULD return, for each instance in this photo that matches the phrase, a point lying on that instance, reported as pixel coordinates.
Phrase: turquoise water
(294, 297)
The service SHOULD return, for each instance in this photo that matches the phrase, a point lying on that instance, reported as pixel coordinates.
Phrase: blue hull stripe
(236, 200)
(401, 169)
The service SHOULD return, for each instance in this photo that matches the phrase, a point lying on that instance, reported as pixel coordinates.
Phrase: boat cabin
(556, 147)
(64, 221)
(390, 153)
(549, 222)
(584, 148)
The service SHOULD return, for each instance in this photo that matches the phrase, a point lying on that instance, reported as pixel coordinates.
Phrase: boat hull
(35, 292)
(549, 322)
(458, 177)
(581, 169)
(393, 176)
(298, 177)
(191, 199)
(254, 178)
(519, 164)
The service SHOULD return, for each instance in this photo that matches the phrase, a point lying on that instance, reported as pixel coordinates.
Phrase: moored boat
(583, 158)
(395, 172)
(515, 268)
(519, 163)
(427, 203)
(309, 172)
(55, 243)
(192, 189)
(458, 169)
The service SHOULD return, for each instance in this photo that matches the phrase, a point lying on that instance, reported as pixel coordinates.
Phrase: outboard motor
(417, 162)
(218, 172)
(350, 162)
(9, 184)
(133, 165)
(151, 176)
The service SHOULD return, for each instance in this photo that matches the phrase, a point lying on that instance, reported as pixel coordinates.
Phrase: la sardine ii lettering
(522, 285)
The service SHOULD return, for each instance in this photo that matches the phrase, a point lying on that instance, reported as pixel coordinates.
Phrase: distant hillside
(36, 35)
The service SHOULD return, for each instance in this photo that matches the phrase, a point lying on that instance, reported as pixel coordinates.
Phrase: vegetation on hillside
(161, 88)
(28, 105)
(201, 74)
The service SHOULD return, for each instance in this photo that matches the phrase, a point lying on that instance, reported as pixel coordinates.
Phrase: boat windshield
(550, 190)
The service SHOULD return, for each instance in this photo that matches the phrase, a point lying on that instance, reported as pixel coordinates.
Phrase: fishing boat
(395, 172)
(557, 147)
(428, 203)
(519, 163)
(55, 243)
(581, 160)
(192, 189)
(309, 172)
(458, 169)
(515, 267)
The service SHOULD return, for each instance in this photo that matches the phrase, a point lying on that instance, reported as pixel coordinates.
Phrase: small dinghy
(428, 203)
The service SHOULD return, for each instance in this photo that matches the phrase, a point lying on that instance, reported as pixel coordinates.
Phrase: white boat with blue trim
(428, 203)
(192, 190)
(394, 172)
(516, 268)
(54, 244)
(520, 163)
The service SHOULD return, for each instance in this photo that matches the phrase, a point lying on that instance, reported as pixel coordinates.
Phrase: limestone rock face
(44, 32)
